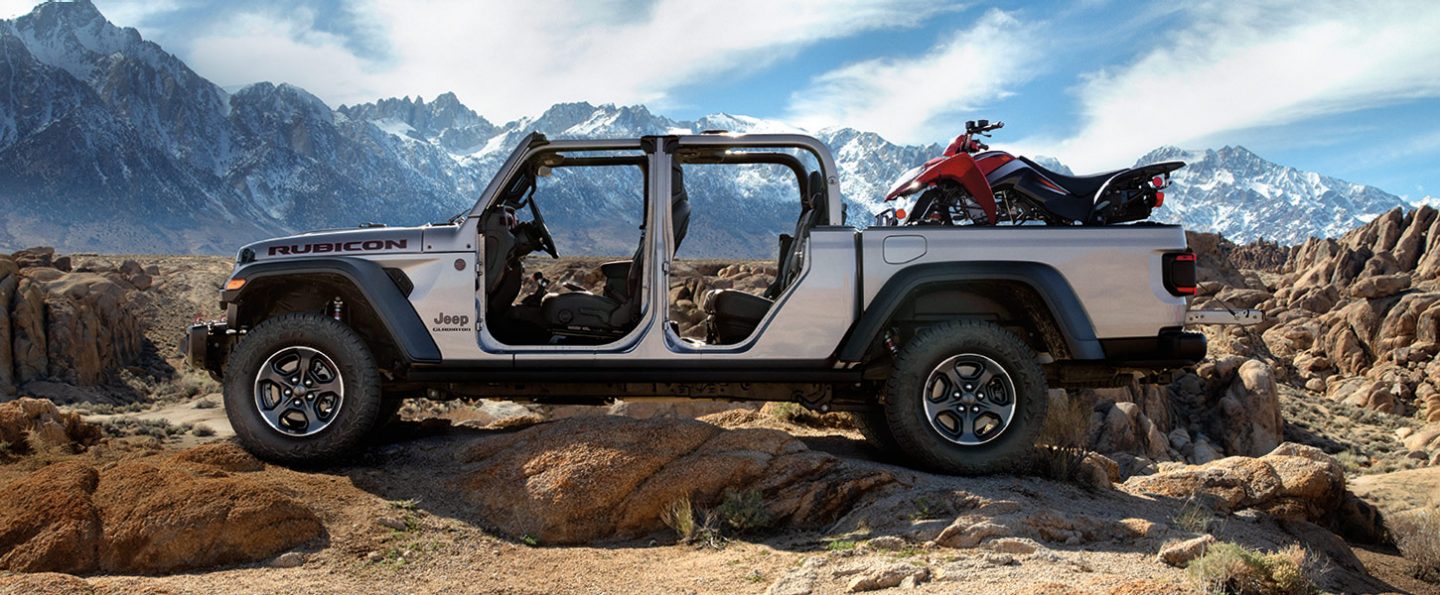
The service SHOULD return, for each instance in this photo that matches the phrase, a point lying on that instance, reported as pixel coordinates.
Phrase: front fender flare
(1065, 307)
(407, 331)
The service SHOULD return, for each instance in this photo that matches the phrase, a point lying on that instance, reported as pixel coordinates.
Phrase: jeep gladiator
(940, 340)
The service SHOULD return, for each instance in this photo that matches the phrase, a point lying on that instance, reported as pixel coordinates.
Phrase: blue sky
(1348, 89)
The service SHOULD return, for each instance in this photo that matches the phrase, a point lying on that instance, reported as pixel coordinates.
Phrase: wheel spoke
(307, 360)
(986, 375)
(967, 429)
(273, 414)
(270, 374)
(329, 386)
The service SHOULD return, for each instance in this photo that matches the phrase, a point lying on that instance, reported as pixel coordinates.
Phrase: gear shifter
(541, 286)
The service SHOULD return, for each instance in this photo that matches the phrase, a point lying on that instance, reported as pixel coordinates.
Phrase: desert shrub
(205, 403)
(129, 426)
(743, 511)
(691, 528)
(1232, 568)
(1417, 534)
(202, 431)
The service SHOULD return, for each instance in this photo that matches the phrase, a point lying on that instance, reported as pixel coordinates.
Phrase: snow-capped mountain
(109, 143)
(1237, 193)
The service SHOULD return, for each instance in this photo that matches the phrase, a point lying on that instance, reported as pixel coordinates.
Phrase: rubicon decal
(327, 247)
(450, 322)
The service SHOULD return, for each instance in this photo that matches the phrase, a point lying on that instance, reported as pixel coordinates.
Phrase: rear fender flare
(407, 332)
(1065, 307)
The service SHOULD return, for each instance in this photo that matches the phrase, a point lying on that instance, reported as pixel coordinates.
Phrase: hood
(335, 242)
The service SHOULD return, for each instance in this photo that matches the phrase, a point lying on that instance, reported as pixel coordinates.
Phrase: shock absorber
(337, 309)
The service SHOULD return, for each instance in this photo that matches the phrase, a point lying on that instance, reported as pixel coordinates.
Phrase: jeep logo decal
(450, 322)
(444, 318)
(326, 247)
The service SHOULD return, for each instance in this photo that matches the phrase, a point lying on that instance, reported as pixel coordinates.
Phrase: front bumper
(205, 346)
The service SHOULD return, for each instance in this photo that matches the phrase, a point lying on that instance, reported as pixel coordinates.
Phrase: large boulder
(1250, 412)
(146, 516)
(582, 480)
(28, 425)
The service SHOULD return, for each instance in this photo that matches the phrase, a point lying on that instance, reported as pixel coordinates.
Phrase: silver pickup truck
(941, 340)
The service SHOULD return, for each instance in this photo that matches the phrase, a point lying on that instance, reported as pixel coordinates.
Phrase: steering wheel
(547, 243)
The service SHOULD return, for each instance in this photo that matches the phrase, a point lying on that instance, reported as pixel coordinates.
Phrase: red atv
(970, 184)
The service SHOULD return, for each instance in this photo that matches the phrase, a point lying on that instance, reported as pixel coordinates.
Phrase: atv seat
(1080, 186)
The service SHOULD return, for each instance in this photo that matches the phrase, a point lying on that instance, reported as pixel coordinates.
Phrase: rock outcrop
(1230, 406)
(1292, 482)
(147, 516)
(59, 325)
(582, 480)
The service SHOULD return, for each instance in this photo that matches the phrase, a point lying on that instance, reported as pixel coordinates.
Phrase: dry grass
(797, 414)
(1067, 423)
(1231, 568)
(1417, 534)
(1194, 517)
(690, 527)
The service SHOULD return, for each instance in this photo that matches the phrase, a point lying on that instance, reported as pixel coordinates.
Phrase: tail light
(1180, 273)
(1159, 199)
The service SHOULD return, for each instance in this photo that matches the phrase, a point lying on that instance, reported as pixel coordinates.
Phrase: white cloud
(1239, 66)
(10, 9)
(256, 47)
(509, 59)
(905, 99)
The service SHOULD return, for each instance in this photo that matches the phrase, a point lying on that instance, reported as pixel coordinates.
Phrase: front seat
(607, 316)
(732, 315)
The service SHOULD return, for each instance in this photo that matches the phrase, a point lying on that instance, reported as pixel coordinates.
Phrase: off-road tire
(923, 445)
(361, 402)
(876, 429)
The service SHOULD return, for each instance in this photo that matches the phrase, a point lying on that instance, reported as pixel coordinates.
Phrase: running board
(1233, 317)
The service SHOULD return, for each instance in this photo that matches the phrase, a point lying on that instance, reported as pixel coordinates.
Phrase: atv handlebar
(981, 126)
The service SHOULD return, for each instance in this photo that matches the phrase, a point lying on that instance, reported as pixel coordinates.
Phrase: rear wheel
(301, 388)
(966, 398)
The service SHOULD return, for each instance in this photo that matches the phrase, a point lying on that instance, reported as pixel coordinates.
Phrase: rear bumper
(1172, 348)
(205, 346)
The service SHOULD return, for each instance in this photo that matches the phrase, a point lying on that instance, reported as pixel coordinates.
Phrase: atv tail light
(1157, 182)
(1179, 273)
(899, 213)
(234, 284)
(1159, 198)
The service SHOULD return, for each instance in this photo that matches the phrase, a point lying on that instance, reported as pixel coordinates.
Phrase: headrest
(814, 191)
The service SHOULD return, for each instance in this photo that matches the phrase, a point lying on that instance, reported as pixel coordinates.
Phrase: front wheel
(301, 388)
(966, 398)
